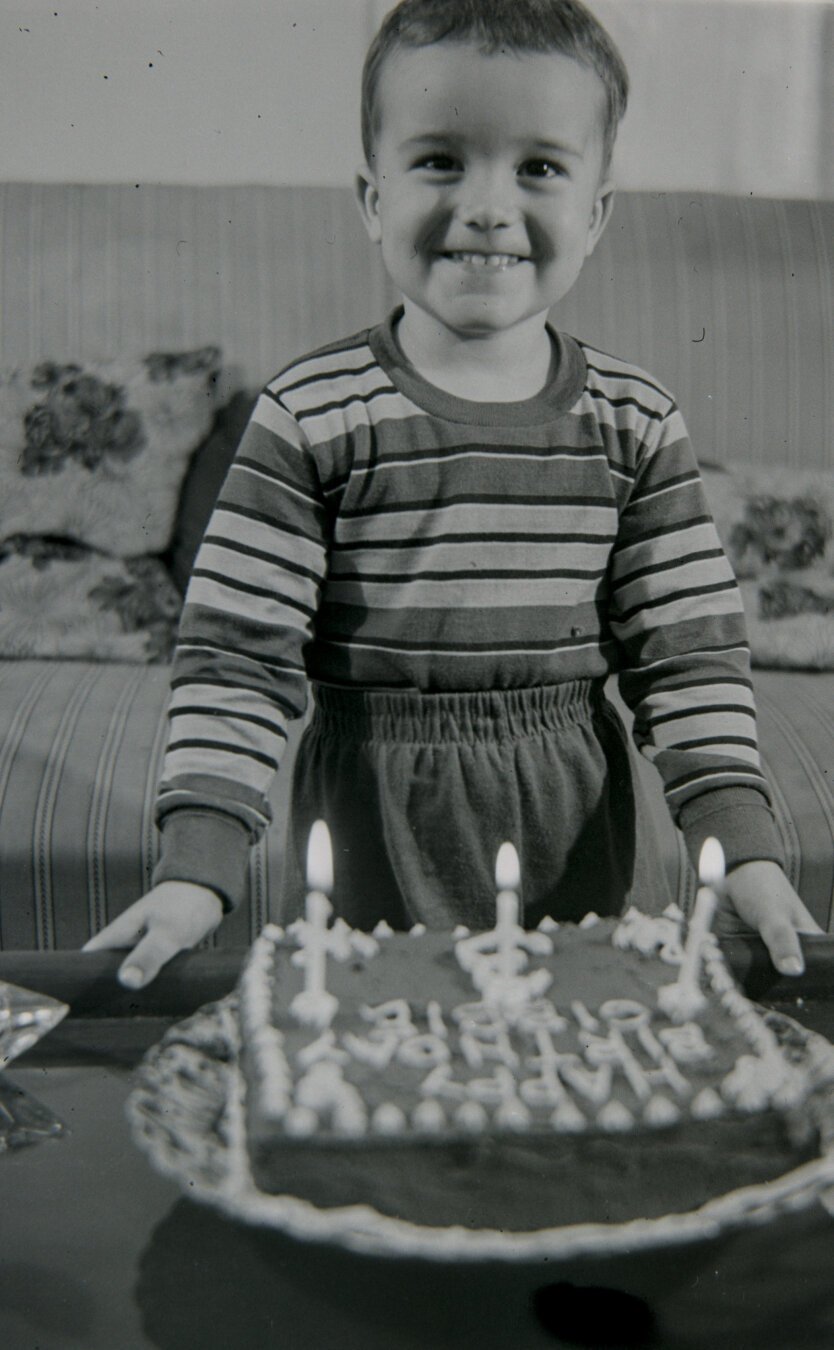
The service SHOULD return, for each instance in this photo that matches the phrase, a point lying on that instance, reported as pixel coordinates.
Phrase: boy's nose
(487, 202)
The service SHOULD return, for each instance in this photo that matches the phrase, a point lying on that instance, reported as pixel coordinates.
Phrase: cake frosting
(510, 1080)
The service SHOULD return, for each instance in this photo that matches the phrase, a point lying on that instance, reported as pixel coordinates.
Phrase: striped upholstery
(81, 748)
(729, 301)
(80, 753)
(726, 300)
(796, 732)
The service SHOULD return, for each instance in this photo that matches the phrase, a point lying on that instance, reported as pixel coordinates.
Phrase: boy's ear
(367, 197)
(600, 215)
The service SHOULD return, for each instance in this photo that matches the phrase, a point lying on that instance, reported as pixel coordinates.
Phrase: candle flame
(507, 869)
(711, 870)
(320, 859)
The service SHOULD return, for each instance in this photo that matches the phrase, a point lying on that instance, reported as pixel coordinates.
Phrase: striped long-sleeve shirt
(376, 531)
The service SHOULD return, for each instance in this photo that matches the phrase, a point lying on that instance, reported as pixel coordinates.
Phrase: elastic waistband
(410, 715)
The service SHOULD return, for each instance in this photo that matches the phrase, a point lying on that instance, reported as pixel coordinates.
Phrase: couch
(138, 323)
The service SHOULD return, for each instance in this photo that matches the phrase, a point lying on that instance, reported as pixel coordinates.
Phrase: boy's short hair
(563, 26)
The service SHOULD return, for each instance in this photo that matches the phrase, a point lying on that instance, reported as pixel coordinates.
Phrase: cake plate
(186, 1113)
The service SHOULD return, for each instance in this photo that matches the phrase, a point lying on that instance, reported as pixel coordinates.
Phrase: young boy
(456, 525)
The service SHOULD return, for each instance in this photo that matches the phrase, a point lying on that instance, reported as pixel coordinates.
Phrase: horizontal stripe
(646, 495)
(196, 711)
(701, 574)
(244, 552)
(338, 369)
(720, 775)
(245, 466)
(476, 499)
(449, 649)
(274, 418)
(237, 656)
(713, 710)
(671, 530)
(542, 593)
(723, 600)
(214, 591)
(265, 538)
(223, 748)
(443, 554)
(628, 401)
(365, 398)
(722, 741)
(350, 355)
(609, 377)
(253, 517)
(667, 564)
(256, 575)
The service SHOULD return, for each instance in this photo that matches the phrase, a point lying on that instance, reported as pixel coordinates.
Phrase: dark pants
(420, 790)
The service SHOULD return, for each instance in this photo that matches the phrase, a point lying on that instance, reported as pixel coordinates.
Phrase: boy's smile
(486, 191)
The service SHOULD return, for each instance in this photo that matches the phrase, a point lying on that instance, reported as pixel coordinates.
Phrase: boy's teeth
(493, 260)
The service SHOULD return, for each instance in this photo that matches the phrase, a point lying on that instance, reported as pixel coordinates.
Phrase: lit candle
(320, 859)
(684, 998)
(495, 959)
(314, 1006)
(507, 868)
(508, 880)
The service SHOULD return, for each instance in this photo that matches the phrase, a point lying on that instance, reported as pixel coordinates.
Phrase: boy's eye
(437, 163)
(542, 168)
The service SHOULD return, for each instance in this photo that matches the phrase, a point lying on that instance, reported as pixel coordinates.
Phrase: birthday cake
(511, 1080)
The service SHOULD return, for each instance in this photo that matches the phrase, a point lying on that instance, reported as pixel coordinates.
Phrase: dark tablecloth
(100, 1253)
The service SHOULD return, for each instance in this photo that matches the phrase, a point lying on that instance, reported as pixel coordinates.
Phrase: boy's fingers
(148, 958)
(806, 923)
(124, 931)
(782, 941)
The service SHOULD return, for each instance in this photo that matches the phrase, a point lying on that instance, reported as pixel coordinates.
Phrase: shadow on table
(49, 1303)
(212, 1283)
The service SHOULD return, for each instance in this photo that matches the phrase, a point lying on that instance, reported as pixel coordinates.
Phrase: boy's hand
(758, 895)
(172, 917)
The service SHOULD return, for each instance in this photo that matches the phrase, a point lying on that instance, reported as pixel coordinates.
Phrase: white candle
(682, 999)
(314, 1005)
(507, 869)
(507, 879)
(316, 943)
(711, 875)
(320, 859)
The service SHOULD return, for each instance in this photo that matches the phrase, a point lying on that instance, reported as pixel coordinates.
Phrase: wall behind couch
(728, 95)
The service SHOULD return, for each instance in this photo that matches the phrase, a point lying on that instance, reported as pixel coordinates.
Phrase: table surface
(99, 1252)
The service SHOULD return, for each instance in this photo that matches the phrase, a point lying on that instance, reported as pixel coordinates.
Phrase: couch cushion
(80, 754)
(61, 600)
(97, 452)
(92, 459)
(777, 526)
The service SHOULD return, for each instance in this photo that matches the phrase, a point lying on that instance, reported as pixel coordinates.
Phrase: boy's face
(486, 191)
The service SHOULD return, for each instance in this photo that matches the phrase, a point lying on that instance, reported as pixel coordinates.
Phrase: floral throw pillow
(61, 599)
(777, 526)
(97, 453)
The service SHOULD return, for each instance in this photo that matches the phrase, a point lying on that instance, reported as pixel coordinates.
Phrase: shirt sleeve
(677, 614)
(238, 675)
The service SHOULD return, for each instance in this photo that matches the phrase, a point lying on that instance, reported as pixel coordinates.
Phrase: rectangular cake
(449, 1080)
